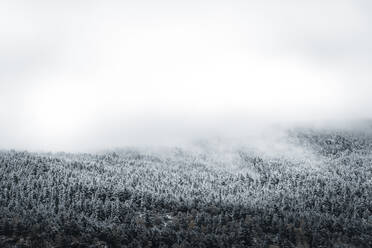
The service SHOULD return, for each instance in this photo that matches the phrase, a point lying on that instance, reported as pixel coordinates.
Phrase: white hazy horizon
(79, 75)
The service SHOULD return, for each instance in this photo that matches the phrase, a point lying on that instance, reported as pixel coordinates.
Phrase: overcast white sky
(88, 74)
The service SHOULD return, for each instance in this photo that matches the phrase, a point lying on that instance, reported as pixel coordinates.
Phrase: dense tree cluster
(134, 198)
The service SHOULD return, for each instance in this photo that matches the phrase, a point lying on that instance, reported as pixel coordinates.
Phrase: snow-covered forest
(316, 191)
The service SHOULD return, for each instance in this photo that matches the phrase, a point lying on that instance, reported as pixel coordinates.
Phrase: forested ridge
(187, 198)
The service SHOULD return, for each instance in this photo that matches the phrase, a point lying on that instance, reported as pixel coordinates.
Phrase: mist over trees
(204, 197)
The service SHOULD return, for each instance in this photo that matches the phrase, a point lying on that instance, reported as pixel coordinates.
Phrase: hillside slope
(314, 190)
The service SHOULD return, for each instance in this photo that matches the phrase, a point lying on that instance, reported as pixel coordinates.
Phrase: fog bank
(88, 75)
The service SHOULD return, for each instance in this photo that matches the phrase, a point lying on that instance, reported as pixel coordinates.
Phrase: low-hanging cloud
(78, 75)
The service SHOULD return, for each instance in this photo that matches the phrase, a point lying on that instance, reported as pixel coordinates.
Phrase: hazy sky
(87, 74)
